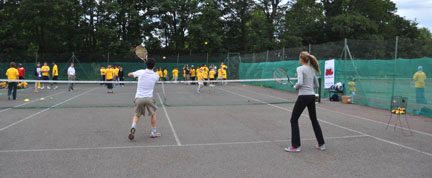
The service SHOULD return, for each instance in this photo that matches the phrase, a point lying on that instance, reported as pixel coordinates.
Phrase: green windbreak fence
(90, 71)
(375, 80)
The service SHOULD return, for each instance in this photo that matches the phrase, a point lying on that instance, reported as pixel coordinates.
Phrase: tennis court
(233, 130)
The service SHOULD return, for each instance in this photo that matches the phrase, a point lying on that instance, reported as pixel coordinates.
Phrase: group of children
(43, 73)
(200, 74)
(112, 73)
(193, 74)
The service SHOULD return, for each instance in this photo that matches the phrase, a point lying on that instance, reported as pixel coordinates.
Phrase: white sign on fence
(329, 73)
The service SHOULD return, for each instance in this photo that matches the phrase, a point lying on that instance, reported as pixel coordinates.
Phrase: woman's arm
(299, 79)
(315, 82)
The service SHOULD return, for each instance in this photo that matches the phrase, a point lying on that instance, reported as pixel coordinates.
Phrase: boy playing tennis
(144, 97)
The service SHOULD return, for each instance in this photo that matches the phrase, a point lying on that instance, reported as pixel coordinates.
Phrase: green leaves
(182, 26)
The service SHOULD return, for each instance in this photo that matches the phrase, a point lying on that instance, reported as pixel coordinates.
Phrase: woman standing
(307, 82)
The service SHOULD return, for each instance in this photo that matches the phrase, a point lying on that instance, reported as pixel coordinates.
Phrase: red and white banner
(329, 73)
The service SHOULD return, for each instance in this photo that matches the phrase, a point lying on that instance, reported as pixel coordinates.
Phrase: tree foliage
(182, 26)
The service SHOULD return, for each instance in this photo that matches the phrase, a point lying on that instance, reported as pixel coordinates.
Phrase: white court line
(163, 146)
(361, 133)
(28, 102)
(35, 114)
(269, 141)
(170, 123)
(350, 116)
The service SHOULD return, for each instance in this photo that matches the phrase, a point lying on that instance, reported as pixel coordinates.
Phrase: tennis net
(93, 94)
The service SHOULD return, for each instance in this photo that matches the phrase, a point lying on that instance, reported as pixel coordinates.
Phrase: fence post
(310, 48)
(394, 67)
(345, 48)
(396, 47)
(283, 53)
(108, 58)
(36, 58)
(178, 56)
(267, 55)
(254, 59)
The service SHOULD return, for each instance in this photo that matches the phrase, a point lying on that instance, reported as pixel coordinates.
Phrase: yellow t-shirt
(224, 67)
(116, 71)
(175, 73)
(200, 76)
(351, 85)
(192, 72)
(160, 73)
(220, 73)
(205, 72)
(12, 73)
(55, 70)
(419, 78)
(184, 73)
(47, 69)
(224, 74)
(102, 71)
(212, 74)
(109, 73)
(198, 73)
(165, 73)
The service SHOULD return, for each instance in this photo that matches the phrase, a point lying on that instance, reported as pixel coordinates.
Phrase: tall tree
(175, 17)
(237, 15)
(272, 11)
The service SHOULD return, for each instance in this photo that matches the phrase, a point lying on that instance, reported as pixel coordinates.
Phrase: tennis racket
(281, 77)
(141, 52)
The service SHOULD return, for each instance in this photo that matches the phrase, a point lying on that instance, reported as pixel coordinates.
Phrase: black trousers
(302, 102)
(12, 90)
(110, 84)
(102, 79)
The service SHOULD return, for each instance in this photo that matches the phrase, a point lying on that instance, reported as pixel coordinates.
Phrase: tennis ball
(397, 112)
(26, 100)
(51, 98)
(205, 42)
(164, 57)
(42, 98)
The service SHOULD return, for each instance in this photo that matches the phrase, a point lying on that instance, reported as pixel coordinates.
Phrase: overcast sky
(418, 10)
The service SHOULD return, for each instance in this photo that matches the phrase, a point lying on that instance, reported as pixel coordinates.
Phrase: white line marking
(358, 117)
(17, 122)
(170, 123)
(27, 103)
(81, 149)
(361, 133)
(163, 146)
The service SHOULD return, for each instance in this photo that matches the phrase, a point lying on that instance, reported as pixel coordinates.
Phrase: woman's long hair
(311, 60)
